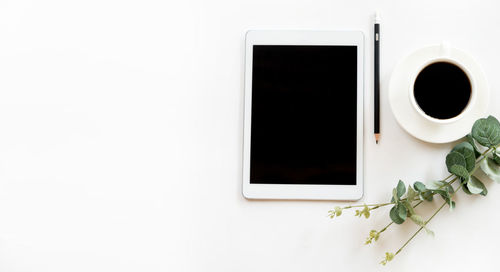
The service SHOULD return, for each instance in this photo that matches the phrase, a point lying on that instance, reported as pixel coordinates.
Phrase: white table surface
(121, 140)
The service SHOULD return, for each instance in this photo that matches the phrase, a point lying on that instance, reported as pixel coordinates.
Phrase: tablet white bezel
(299, 191)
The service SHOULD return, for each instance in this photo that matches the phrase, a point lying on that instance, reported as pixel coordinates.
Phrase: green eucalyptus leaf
(435, 185)
(454, 159)
(446, 196)
(395, 197)
(449, 188)
(411, 193)
(408, 207)
(394, 215)
(419, 186)
(439, 184)
(465, 189)
(486, 131)
(491, 169)
(459, 171)
(427, 195)
(470, 140)
(402, 212)
(401, 189)
(475, 186)
(484, 192)
(467, 150)
(496, 158)
(417, 219)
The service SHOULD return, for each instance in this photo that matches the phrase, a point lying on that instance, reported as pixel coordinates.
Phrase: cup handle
(444, 50)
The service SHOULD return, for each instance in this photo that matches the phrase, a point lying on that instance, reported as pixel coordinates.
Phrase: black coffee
(442, 90)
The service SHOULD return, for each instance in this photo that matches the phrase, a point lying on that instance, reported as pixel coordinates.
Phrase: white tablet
(303, 127)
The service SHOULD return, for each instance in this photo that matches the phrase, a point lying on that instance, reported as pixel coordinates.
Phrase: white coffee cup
(442, 56)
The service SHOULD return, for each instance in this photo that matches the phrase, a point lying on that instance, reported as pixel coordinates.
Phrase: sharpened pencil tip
(376, 141)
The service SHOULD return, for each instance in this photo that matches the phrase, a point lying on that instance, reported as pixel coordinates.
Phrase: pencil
(376, 127)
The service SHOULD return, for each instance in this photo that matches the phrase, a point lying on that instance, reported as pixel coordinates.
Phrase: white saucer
(417, 125)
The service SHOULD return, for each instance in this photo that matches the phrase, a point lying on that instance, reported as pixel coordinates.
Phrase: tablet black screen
(303, 127)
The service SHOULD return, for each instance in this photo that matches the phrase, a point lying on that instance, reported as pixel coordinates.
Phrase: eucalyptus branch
(482, 157)
(463, 161)
(425, 224)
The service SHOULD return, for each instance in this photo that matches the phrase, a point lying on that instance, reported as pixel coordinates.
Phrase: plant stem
(415, 234)
(382, 230)
(450, 182)
(451, 175)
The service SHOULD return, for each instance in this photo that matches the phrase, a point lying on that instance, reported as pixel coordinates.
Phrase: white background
(121, 140)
